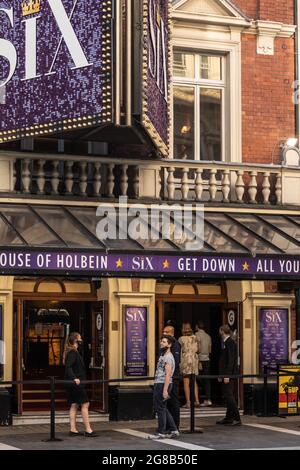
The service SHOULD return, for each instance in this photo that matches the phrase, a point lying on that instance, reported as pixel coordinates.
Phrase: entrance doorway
(42, 327)
(211, 314)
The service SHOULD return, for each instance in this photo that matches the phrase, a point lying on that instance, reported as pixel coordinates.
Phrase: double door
(41, 328)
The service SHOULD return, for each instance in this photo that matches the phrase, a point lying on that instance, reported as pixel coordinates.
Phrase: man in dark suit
(228, 365)
(174, 403)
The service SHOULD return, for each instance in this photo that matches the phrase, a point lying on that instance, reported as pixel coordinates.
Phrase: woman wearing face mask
(77, 396)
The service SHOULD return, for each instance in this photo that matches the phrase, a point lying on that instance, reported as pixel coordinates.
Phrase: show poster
(273, 337)
(55, 66)
(136, 349)
(289, 391)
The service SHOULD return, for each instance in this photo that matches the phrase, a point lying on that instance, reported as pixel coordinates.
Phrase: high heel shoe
(90, 434)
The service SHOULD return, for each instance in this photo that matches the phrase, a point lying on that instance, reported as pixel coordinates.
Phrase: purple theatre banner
(273, 337)
(55, 71)
(136, 351)
(156, 72)
(31, 261)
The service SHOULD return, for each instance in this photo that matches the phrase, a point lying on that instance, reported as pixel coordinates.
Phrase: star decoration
(166, 264)
(119, 263)
(246, 267)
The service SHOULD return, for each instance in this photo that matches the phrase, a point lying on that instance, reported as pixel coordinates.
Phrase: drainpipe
(297, 69)
(297, 123)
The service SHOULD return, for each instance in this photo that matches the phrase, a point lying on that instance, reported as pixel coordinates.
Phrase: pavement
(255, 434)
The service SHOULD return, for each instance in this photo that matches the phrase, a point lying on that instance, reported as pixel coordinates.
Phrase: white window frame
(232, 106)
(197, 83)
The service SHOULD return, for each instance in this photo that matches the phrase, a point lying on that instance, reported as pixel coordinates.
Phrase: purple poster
(273, 337)
(156, 72)
(54, 66)
(136, 352)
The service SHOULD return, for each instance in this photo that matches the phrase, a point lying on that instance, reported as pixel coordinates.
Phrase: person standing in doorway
(174, 404)
(189, 363)
(77, 396)
(162, 390)
(228, 365)
(205, 346)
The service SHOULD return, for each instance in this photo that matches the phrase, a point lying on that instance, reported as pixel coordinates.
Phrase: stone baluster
(278, 188)
(213, 185)
(69, 180)
(55, 177)
(226, 186)
(171, 183)
(97, 183)
(26, 175)
(185, 184)
(136, 183)
(252, 191)
(83, 179)
(110, 181)
(199, 184)
(15, 176)
(124, 180)
(266, 191)
(41, 176)
(240, 187)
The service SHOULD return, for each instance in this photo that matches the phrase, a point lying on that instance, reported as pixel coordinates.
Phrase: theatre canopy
(69, 241)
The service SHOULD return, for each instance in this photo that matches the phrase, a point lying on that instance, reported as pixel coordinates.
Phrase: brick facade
(279, 10)
(267, 85)
(267, 99)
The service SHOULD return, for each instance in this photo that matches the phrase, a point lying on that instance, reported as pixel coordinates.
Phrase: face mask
(163, 351)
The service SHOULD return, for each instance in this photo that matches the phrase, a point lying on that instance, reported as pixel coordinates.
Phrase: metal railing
(52, 381)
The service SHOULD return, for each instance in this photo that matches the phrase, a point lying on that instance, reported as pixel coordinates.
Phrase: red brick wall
(275, 10)
(248, 7)
(267, 99)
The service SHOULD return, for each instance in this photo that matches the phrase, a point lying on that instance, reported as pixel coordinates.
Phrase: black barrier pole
(52, 412)
(193, 429)
(265, 391)
(192, 392)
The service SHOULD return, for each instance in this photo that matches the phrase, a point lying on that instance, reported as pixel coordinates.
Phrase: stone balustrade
(75, 176)
(166, 180)
(225, 183)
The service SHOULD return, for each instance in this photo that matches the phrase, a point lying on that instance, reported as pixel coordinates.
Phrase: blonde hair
(187, 329)
(70, 343)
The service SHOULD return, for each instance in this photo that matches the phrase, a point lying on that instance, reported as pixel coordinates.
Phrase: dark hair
(187, 330)
(201, 325)
(169, 338)
(226, 329)
(71, 340)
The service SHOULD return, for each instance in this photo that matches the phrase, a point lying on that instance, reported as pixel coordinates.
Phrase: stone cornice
(260, 28)
(272, 29)
(178, 16)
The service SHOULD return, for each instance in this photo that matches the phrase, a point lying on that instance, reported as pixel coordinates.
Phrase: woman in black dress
(77, 396)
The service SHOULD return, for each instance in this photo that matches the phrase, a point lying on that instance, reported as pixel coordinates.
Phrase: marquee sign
(55, 66)
(156, 76)
(24, 260)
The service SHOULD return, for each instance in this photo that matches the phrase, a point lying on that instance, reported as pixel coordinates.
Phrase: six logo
(68, 35)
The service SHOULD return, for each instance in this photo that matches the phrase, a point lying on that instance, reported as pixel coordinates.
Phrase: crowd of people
(186, 357)
(178, 359)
